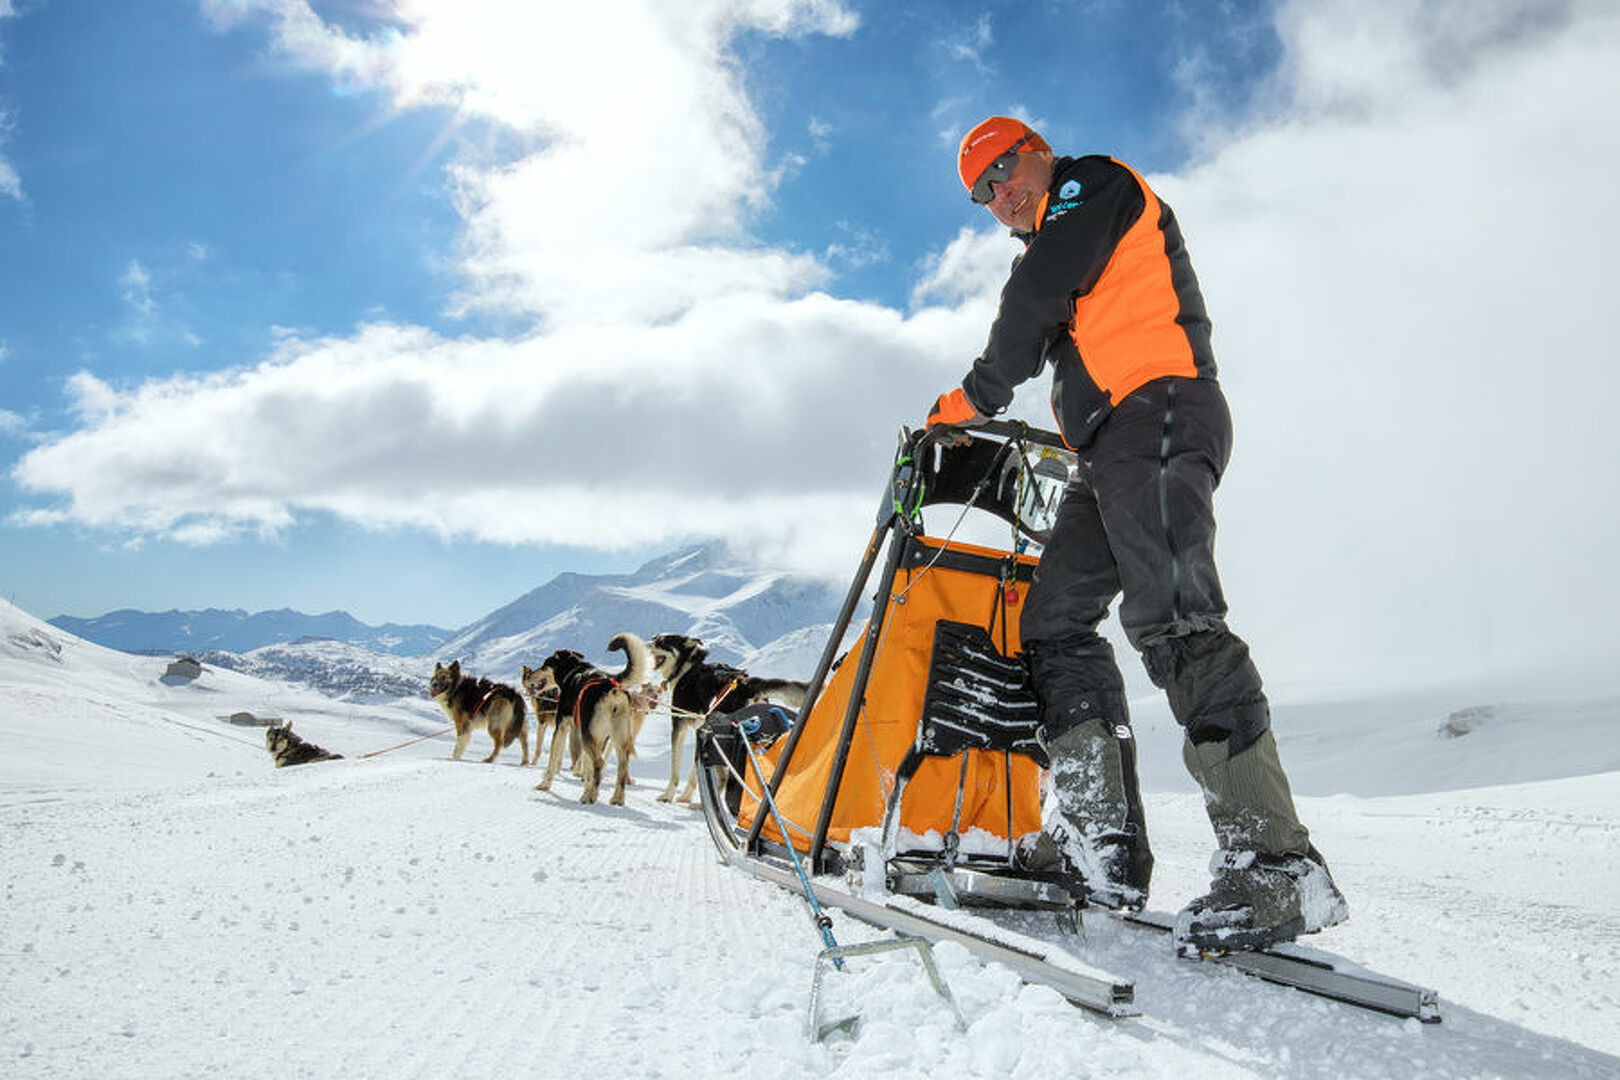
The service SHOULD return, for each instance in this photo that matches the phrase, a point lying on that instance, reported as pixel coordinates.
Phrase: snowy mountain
(753, 617)
(338, 670)
(177, 907)
(767, 621)
(239, 632)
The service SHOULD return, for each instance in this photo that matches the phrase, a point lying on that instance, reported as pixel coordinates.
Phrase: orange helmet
(990, 139)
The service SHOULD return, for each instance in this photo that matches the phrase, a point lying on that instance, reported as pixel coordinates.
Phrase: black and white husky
(597, 709)
(698, 688)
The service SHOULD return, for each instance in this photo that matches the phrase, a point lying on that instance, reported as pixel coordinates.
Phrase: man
(1105, 293)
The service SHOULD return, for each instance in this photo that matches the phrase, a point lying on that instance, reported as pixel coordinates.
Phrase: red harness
(722, 695)
(485, 701)
(579, 701)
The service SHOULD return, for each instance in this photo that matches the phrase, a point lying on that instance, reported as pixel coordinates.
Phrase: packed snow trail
(176, 907)
(429, 918)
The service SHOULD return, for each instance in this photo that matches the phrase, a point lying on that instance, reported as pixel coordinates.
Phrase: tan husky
(544, 703)
(598, 711)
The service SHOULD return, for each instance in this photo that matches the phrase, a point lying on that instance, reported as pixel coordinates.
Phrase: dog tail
(637, 656)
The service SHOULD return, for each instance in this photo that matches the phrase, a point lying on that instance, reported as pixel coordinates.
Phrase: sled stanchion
(819, 677)
(901, 481)
(857, 698)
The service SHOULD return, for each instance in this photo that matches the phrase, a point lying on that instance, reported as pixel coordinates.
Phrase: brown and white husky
(479, 703)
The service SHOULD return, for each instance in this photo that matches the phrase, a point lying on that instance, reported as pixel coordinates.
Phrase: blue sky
(403, 308)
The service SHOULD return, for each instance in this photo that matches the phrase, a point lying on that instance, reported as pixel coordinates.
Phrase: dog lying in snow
(287, 748)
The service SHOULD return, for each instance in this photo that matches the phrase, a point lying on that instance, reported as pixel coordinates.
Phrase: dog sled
(899, 791)
(917, 745)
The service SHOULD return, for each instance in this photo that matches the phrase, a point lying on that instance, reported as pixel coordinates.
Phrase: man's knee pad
(1076, 681)
(1213, 687)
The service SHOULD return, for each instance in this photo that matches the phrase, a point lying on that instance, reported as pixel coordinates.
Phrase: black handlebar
(1006, 429)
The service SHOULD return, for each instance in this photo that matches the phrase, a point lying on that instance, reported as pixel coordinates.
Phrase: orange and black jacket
(1105, 291)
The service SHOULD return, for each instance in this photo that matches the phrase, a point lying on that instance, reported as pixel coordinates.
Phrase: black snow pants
(1137, 522)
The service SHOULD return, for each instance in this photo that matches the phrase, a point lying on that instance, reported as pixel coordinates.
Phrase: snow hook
(819, 1031)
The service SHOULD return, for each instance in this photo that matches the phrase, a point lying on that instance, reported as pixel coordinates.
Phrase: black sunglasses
(996, 172)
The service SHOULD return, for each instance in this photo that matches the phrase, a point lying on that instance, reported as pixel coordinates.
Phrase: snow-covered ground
(176, 907)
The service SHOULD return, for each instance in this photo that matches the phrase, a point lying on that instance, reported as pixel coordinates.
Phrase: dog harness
(722, 695)
(484, 701)
(579, 699)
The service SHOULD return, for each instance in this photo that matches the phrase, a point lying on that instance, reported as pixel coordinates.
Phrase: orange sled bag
(948, 645)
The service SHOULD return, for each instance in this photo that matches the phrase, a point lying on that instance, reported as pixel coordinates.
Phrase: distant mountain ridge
(746, 614)
(237, 631)
(740, 611)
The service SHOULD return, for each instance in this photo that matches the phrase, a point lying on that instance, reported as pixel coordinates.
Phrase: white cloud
(93, 401)
(569, 438)
(11, 423)
(1406, 259)
(969, 44)
(10, 182)
(971, 268)
(631, 205)
(136, 284)
(148, 321)
(821, 134)
(860, 247)
(1406, 266)
(140, 308)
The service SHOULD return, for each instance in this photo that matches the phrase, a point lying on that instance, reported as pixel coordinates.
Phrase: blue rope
(823, 923)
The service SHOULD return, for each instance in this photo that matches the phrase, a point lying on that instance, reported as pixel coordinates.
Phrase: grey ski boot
(1092, 828)
(1268, 883)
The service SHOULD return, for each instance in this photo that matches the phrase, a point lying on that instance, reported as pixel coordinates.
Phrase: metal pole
(901, 479)
(813, 688)
(818, 917)
(857, 697)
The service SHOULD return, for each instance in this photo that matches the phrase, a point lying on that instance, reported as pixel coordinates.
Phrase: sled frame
(926, 472)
